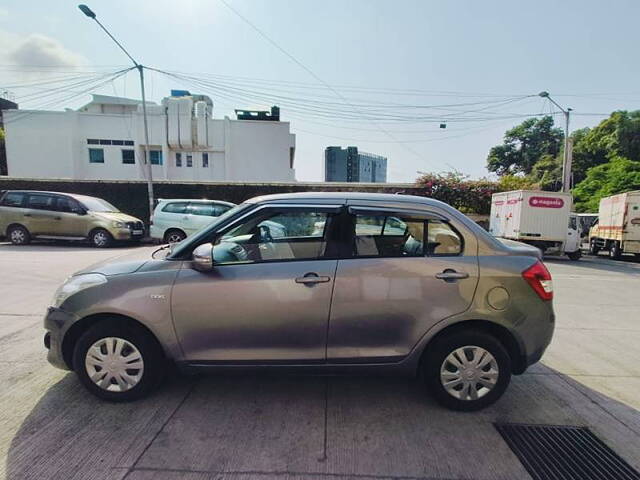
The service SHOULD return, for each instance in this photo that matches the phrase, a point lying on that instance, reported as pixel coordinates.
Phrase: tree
(507, 183)
(618, 175)
(616, 136)
(524, 145)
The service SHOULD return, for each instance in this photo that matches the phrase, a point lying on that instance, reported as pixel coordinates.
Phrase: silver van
(360, 282)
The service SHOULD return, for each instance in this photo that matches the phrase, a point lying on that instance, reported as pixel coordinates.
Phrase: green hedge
(131, 197)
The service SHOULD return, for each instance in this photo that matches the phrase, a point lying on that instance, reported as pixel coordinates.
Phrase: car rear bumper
(56, 321)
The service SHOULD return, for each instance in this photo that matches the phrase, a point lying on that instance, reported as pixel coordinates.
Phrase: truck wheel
(593, 248)
(574, 255)
(614, 251)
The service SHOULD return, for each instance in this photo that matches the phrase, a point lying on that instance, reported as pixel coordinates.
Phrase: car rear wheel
(118, 362)
(174, 236)
(100, 238)
(467, 370)
(18, 235)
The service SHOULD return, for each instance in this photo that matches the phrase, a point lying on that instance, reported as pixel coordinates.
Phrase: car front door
(73, 222)
(268, 297)
(408, 270)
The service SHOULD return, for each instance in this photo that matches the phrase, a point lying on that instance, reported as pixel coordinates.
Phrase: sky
(378, 74)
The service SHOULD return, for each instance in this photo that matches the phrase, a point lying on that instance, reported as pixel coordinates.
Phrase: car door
(407, 271)
(72, 223)
(41, 218)
(267, 299)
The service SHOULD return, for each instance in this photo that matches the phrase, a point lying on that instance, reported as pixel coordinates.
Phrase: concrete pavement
(309, 428)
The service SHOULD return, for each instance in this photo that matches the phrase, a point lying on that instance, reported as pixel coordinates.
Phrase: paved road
(256, 427)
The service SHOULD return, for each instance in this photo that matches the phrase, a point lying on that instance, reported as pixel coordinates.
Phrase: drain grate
(554, 452)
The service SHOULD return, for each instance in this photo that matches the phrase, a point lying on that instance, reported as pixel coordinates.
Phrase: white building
(104, 140)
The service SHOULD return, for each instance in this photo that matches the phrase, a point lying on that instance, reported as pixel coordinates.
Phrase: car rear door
(269, 301)
(201, 214)
(41, 218)
(407, 270)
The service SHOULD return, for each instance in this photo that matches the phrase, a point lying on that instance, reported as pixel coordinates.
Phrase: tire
(100, 238)
(135, 342)
(174, 235)
(575, 255)
(18, 235)
(614, 251)
(436, 361)
(593, 248)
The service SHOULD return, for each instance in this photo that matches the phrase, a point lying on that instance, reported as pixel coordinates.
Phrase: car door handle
(57, 218)
(311, 278)
(27, 215)
(450, 275)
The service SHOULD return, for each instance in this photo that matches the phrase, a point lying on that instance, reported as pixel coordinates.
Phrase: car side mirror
(202, 258)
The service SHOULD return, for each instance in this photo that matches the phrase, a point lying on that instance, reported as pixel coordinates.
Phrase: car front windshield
(97, 205)
(203, 234)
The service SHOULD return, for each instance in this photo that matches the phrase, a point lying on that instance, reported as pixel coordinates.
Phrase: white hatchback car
(175, 219)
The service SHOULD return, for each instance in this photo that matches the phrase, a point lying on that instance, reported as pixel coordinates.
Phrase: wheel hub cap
(114, 364)
(469, 373)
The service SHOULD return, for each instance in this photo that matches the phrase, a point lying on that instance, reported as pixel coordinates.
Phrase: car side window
(13, 199)
(442, 239)
(388, 236)
(202, 209)
(67, 205)
(275, 235)
(40, 201)
(175, 207)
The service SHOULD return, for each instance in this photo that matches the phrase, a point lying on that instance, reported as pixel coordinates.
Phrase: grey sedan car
(359, 282)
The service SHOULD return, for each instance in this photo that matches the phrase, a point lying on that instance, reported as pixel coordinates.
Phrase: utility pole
(568, 146)
(147, 161)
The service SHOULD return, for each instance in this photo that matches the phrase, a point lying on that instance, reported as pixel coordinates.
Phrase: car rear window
(207, 209)
(175, 207)
(13, 199)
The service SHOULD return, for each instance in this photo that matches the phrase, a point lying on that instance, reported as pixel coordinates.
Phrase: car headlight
(76, 284)
(117, 224)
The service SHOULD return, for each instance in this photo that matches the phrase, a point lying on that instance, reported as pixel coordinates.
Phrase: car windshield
(97, 205)
(202, 234)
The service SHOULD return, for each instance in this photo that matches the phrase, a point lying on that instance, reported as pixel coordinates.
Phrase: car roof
(48, 192)
(344, 196)
(198, 200)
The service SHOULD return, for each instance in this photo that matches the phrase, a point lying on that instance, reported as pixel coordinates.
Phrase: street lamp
(566, 159)
(89, 13)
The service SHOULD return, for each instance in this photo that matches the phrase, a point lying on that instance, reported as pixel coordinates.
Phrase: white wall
(54, 145)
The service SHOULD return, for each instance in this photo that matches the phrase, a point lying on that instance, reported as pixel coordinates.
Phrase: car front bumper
(127, 234)
(56, 322)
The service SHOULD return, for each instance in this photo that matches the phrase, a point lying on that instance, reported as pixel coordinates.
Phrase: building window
(117, 142)
(189, 160)
(155, 157)
(93, 141)
(128, 157)
(205, 160)
(128, 143)
(178, 159)
(96, 155)
(105, 142)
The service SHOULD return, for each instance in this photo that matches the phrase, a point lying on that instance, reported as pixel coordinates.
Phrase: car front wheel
(118, 362)
(100, 238)
(467, 370)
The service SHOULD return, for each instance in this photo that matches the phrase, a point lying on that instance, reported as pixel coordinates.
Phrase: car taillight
(539, 278)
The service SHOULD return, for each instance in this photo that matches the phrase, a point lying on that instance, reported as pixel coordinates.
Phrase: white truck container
(541, 219)
(618, 226)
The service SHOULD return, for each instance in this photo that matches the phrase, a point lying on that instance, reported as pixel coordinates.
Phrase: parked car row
(28, 215)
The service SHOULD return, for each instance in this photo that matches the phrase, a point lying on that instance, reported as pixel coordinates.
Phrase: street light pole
(567, 156)
(89, 13)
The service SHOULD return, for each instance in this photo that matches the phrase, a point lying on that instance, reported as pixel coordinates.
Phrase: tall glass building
(349, 165)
